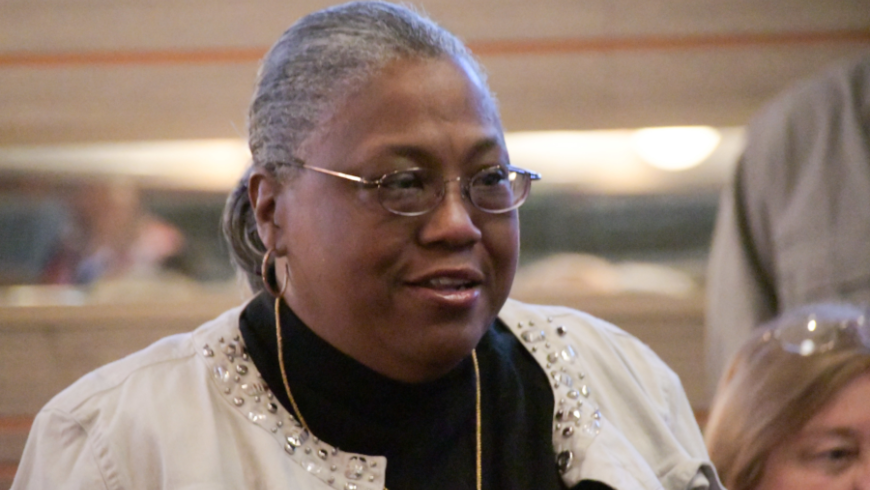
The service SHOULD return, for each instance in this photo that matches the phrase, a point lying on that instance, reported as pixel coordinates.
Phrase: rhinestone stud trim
(576, 419)
(239, 382)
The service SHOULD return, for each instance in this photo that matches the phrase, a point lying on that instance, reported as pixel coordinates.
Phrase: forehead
(847, 409)
(438, 104)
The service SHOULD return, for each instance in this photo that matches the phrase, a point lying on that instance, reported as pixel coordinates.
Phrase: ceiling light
(210, 165)
(675, 148)
(599, 160)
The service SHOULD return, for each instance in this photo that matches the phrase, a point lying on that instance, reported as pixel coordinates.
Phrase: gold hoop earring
(264, 275)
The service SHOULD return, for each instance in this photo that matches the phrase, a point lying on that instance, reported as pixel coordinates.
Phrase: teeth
(447, 282)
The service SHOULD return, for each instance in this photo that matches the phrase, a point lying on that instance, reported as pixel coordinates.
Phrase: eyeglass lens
(413, 192)
(837, 326)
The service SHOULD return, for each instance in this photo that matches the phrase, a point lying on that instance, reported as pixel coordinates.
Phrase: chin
(446, 345)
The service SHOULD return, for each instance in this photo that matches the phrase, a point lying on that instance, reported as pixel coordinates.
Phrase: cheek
(364, 248)
(318, 237)
(502, 241)
(325, 218)
(374, 257)
(784, 471)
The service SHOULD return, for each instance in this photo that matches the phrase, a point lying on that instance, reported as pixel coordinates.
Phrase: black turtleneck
(425, 430)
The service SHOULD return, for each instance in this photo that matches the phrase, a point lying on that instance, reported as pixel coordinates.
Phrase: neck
(392, 352)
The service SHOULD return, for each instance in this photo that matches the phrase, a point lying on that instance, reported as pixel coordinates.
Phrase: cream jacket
(190, 412)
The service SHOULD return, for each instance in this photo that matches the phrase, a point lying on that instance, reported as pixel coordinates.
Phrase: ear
(263, 191)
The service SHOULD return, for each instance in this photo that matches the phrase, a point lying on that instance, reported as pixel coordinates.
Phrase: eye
(834, 460)
(491, 177)
(838, 454)
(405, 180)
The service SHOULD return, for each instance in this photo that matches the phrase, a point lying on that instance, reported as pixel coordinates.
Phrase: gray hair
(315, 66)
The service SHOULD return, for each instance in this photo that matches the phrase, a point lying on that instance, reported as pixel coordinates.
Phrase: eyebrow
(832, 432)
(420, 154)
(484, 146)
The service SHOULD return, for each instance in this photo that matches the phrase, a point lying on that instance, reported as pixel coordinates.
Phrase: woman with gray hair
(378, 229)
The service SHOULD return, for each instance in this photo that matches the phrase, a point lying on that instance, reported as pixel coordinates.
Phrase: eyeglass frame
(464, 189)
(799, 331)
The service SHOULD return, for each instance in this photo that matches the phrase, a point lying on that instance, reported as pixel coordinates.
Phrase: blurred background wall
(123, 122)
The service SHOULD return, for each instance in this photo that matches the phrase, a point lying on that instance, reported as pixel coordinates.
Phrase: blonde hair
(768, 394)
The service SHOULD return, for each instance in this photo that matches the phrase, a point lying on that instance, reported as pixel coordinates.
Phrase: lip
(449, 297)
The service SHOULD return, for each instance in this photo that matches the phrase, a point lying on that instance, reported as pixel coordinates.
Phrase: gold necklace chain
(477, 412)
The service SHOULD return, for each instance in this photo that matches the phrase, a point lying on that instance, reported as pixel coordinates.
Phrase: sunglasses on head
(820, 328)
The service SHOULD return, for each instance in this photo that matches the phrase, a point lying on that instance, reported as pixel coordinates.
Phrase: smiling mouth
(458, 289)
(448, 284)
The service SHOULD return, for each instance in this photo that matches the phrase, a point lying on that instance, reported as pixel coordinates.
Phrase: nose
(451, 222)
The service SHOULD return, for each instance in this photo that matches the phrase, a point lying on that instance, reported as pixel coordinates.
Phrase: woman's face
(832, 451)
(407, 296)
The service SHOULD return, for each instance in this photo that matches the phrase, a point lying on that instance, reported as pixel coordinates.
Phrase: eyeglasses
(416, 191)
(820, 328)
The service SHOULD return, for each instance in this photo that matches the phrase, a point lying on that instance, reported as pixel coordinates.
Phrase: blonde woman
(793, 410)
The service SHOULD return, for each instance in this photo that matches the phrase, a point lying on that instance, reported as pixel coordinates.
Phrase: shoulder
(596, 339)
(837, 82)
(618, 406)
(108, 383)
(83, 437)
(812, 104)
(624, 374)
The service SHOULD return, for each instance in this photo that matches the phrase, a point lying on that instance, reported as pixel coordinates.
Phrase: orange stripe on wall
(507, 47)
(16, 423)
(7, 471)
(166, 57)
(579, 45)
